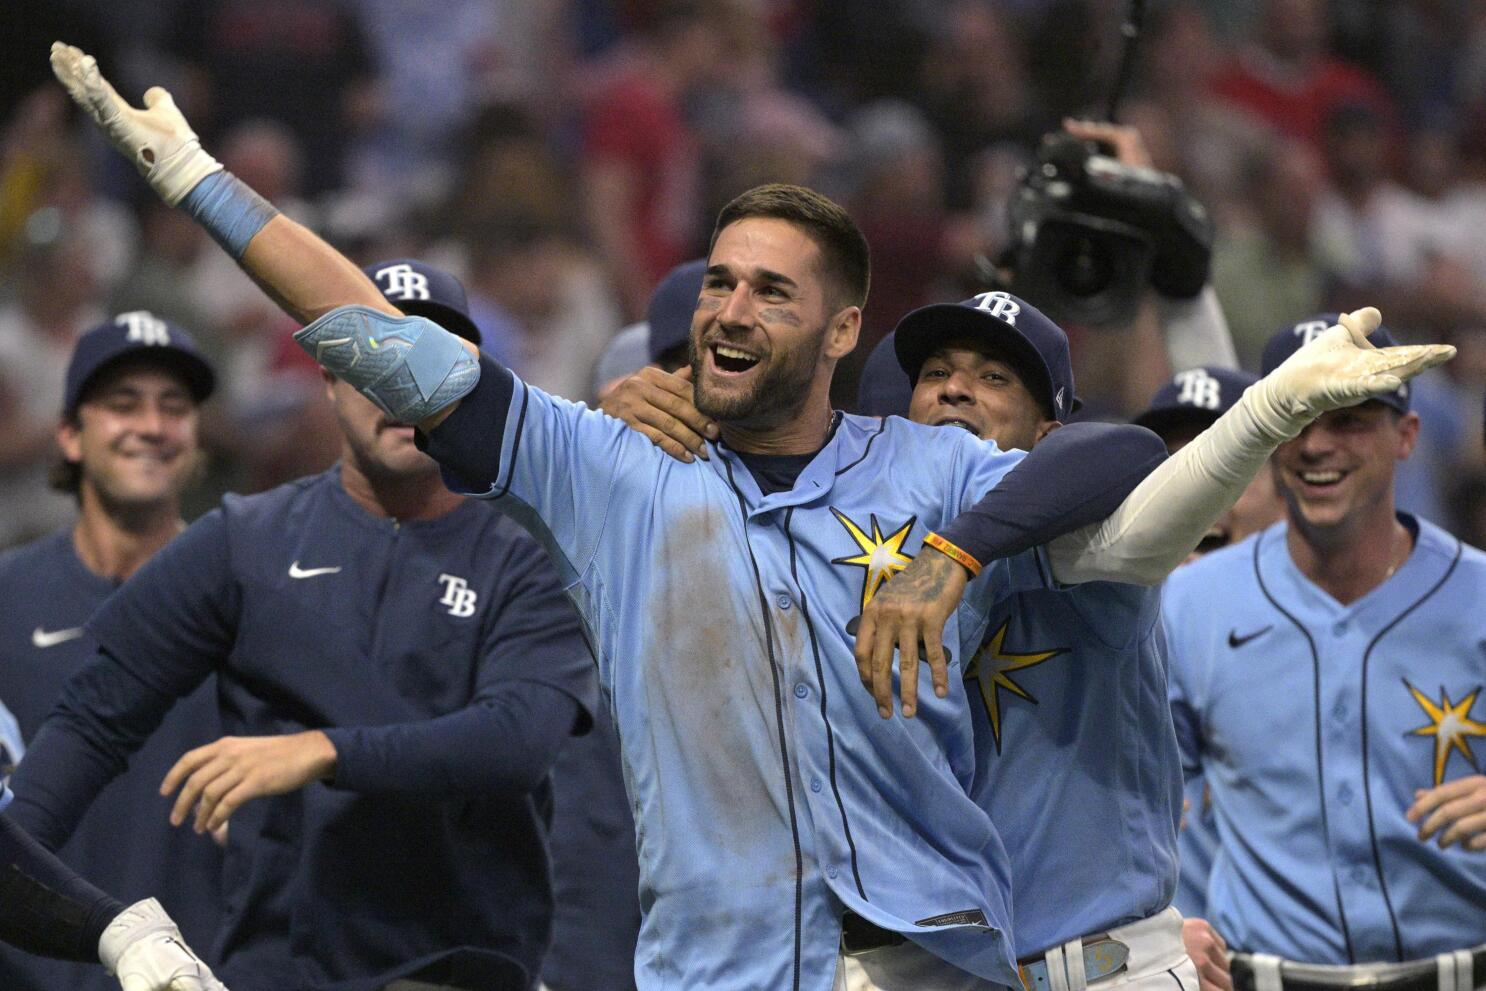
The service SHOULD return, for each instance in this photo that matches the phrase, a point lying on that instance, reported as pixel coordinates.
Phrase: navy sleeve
(535, 685)
(45, 908)
(160, 635)
(1075, 476)
(468, 443)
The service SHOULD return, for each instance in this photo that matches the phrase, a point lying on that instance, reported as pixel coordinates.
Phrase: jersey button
(783, 601)
(801, 691)
(1344, 794)
(1359, 875)
(815, 784)
(831, 872)
(1340, 628)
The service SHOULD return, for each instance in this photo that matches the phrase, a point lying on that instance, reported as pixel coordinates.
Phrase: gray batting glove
(1339, 368)
(143, 948)
(156, 139)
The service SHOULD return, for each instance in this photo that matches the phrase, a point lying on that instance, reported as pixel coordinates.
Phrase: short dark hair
(843, 250)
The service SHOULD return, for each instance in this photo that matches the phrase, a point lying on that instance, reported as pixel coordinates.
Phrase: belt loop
(1444, 965)
(1465, 977)
(1073, 954)
(1266, 972)
(1057, 971)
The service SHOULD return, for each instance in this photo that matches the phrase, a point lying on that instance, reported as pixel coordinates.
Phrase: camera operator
(1121, 252)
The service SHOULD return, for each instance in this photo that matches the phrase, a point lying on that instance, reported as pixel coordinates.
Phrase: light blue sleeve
(11, 752)
(561, 470)
(1184, 712)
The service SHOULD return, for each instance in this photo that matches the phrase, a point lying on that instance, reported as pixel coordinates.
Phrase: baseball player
(129, 444)
(47, 909)
(397, 670)
(1180, 410)
(1325, 676)
(781, 819)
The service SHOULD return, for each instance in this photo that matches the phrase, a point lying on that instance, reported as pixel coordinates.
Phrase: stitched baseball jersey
(47, 595)
(316, 614)
(1314, 724)
(768, 793)
(1077, 762)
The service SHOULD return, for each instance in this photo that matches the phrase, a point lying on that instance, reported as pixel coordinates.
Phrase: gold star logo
(992, 667)
(882, 557)
(1449, 725)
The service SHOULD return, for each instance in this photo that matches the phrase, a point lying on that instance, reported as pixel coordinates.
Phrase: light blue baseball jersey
(1315, 723)
(1076, 756)
(767, 791)
(1196, 846)
(11, 751)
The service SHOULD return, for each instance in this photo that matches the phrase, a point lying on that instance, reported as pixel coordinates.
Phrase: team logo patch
(458, 595)
(991, 669)
(881, 557)
(1451, 726)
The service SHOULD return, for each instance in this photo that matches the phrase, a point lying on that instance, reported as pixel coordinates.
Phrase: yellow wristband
(953, 553)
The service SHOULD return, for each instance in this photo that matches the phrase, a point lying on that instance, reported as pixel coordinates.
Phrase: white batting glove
(1339, 368)
(156, 139)
(144, 949)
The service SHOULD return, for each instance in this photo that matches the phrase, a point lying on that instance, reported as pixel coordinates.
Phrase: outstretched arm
(1154, 530)
(305, 276)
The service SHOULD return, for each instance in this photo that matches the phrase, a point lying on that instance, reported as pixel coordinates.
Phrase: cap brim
(191, 367)
(929, 328)
(1170, 417)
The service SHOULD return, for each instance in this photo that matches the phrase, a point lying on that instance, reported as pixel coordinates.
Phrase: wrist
(951, 552)
(323, 755)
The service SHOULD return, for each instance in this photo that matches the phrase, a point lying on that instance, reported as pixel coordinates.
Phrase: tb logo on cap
(1000, 305)
(1199, 389)
(143, 328)
(1310, 330)
(402, 282)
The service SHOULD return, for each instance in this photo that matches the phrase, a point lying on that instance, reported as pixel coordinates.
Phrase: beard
(774, 395)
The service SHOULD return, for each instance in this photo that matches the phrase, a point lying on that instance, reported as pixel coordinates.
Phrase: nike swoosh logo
(1235, 641)
(295, 571)
(43, 638)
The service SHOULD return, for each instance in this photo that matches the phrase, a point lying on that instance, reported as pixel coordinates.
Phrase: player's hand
(659, 405)
(1455, 810)
(156, 139)
(907, 611)
(219, 778)
(1129, 147)
(1209, 953)
(143, 948)
(1340, 367)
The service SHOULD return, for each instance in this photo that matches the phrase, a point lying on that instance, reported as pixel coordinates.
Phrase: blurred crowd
(561, 156)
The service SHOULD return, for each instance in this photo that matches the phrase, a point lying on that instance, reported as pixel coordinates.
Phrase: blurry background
(561, 155)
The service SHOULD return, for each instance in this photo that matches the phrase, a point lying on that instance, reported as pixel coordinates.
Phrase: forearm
(1196, 331)
(467, 443)
(1160, 523)
(505, 744)
(306, 277)
(1076, 476)
(45, 908)
(104, 716)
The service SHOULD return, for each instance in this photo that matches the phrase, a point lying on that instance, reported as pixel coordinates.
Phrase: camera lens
(1085, 268)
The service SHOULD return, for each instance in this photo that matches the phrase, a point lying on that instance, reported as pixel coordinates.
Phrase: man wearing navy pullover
(398, 669)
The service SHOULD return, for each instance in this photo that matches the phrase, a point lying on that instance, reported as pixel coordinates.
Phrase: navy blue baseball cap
(884, 390)
(1012, 327)
(137, 333)
(1291, 338)
(424, 290)
(1197, 395)
(671, 307)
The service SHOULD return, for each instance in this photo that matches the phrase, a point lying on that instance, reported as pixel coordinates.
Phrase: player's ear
(1046, 427)
(842, 332)
(1408, 434)
(69, 438)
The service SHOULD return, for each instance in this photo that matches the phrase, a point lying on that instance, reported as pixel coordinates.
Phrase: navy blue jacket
(445, 665)
(124, 844)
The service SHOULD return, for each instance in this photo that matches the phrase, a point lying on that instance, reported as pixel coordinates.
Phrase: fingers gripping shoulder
(410, 367)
